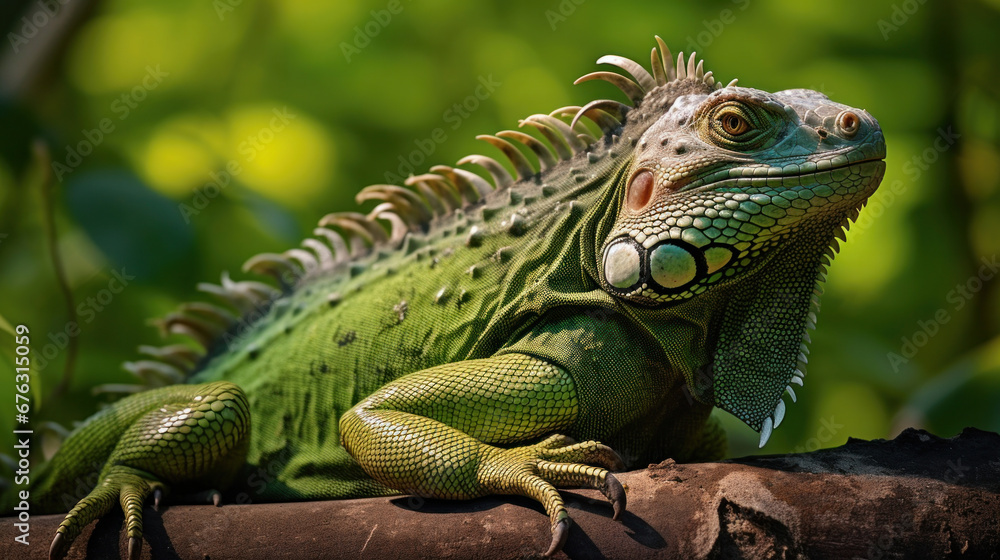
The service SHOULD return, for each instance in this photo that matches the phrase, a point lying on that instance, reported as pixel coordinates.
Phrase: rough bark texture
(917, 496)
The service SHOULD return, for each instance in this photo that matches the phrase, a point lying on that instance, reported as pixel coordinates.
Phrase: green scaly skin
(614, 292)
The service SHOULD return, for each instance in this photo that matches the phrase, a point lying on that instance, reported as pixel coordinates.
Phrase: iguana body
(613, 292)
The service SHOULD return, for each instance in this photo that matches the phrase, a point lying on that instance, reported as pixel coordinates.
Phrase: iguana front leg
(182, 437)
(436, 433)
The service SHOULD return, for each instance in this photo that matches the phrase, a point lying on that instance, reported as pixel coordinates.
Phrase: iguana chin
(644, 264)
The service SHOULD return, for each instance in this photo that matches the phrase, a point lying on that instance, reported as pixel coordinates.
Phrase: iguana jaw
(762, 335)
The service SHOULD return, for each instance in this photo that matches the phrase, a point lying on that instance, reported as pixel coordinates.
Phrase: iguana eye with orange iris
(640, 190)
(849, 123)
(734, 124)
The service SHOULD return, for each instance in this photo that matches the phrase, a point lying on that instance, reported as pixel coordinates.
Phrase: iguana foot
(190, 438)
(537, 470)
(124, 485)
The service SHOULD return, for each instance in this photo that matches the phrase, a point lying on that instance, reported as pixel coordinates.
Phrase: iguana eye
(734, 124)
(737, 125)
(848, 123)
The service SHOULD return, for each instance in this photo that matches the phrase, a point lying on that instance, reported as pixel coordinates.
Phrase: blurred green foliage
(288, 108)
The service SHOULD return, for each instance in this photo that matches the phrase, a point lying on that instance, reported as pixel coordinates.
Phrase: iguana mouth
(782, 176)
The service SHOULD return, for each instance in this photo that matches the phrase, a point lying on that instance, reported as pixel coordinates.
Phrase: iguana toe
(615, 493)
(58, 547)
(555, 441)
(590, 452)
(560, 532)
(134, 548)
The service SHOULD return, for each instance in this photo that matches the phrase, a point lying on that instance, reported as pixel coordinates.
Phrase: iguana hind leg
(183, 437)
(453, 432)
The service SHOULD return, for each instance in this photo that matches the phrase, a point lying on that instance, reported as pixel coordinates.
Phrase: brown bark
(918, 496)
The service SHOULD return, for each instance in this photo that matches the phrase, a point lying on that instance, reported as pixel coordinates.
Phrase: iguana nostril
(640, 190)
(848, 123)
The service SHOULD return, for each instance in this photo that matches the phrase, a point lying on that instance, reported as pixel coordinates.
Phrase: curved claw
(560, 532)
(134, 548)
(157, 496)
(615, 493)
(58, 548)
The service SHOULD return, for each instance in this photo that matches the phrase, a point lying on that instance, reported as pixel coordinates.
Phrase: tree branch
(918, 496)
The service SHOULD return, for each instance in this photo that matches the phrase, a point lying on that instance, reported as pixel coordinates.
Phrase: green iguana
(643, 264)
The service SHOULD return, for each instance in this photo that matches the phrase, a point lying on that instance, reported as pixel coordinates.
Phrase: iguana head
(722, 179)
(736, 195)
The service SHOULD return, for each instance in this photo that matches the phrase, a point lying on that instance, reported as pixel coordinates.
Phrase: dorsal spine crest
(405, 217)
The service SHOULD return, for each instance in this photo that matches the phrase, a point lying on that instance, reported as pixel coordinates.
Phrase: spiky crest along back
(567, 138)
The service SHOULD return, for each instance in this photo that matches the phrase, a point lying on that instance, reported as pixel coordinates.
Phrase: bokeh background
(156, 98)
